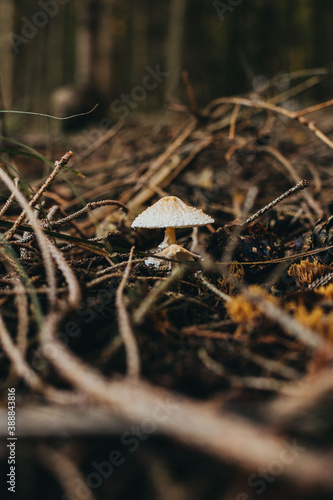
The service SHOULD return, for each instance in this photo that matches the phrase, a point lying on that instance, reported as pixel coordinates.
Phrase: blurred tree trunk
(6, 53)
(140, 41)
(174, 44)
(87, 46)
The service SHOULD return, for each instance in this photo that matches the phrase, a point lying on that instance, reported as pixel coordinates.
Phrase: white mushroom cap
(171, 211)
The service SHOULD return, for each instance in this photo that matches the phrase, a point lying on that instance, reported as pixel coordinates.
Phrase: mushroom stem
(169, 237)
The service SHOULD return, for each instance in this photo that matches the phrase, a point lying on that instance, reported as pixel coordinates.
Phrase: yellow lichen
(243, 311)
(326, 291)
(306, 272)
(316, 319)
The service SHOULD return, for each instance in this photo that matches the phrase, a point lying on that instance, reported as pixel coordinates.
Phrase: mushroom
(171, 212)
(174, 251)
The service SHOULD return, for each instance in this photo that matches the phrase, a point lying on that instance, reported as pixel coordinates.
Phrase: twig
(22, 326)
(74, 292)
(160, 287)
(317, 107)
(101, 279)
(96, 145)
(42, 241)
(321, 281)
(125, 328)
(20, 366)
(190, 92)
(299, 186)
(233, 121)
(10, 200)
(271, 107)
(58, 166)
(213, 288)
(89, 206)
(294, 175)
(285, 320)
(271, 365)
(156, 166)
(259, 383)
(233, 240)
(65, 470)
(226, 436)
(301, 396)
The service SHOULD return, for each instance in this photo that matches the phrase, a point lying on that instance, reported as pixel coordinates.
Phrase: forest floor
(209, 379)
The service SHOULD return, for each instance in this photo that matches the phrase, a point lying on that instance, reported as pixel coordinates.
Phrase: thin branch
(299, 186)
(226, 436)
(65, 471)
(42, 241)
(125, 328)
(58, 166)
(158, 290)
(9, 201)
(213, 288)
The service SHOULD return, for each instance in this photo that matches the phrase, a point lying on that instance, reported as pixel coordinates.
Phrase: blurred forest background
(63, 56)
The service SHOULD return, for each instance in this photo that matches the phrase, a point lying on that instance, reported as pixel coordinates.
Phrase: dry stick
(22, 327)
(20, 366)
(316, 107)
(101, 279)
(272, 311)
(190, 92)
(116, 266)
(157, 164)
(42, 240)
(226, 436)
(248, 103)
(225, 122)
(54, 209)
(89, 206)
(321, 281)
(233, 121)
(213, 288)
(160, 287)
(295, 177)
(74, 291)
(285, 320)
(259, 383)
(99, 143)
(23, 317)
(299, 397)
(65, 470)
(271, 365)
(233, 240)
(179, 168)
(167, 174)
(265, 105)
(299, 186)
(295, 90)
(58, 166)
(125, 328)
(10, 199)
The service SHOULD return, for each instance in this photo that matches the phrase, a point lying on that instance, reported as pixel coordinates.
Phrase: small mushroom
(174, 251)
(171, 212)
